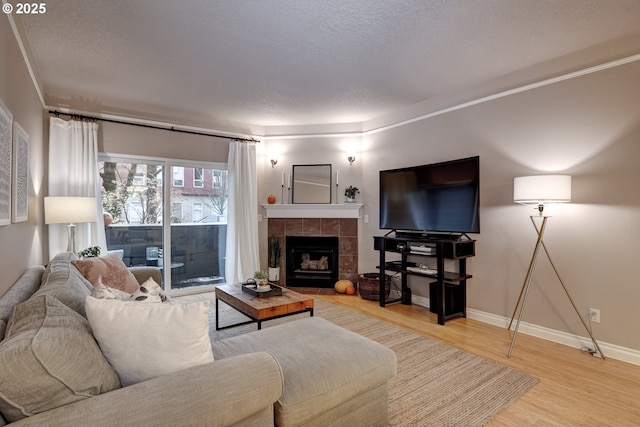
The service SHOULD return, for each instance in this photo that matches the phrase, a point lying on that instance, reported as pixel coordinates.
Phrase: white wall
(122, 138)
(588, 127)
(21, 244)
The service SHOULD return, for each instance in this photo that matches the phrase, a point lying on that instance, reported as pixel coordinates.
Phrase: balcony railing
(197, 250)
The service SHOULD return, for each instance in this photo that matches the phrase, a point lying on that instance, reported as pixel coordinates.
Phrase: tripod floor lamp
(539, 190)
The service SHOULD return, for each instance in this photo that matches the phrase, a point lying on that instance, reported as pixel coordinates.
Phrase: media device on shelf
(437, 198)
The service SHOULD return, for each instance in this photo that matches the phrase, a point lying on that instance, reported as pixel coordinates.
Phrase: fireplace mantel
(309, 210)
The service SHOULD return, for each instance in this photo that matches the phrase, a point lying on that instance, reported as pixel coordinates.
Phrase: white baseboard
(612, 351)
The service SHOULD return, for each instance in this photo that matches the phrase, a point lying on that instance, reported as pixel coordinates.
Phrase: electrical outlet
(594, 315)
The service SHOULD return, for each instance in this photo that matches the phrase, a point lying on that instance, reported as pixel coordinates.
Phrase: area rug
(436, 385)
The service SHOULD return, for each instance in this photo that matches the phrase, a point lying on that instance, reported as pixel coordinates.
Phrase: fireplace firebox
(312, 261)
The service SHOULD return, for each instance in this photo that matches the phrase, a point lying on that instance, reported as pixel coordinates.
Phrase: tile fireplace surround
(346, 229)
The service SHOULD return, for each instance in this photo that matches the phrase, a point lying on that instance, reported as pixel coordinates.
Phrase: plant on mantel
(350, 192)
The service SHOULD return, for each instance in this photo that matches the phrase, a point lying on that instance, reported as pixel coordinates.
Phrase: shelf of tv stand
(452, 277)
(447, 290)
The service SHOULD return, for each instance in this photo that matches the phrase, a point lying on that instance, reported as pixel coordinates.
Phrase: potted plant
(275, 251)
(90, 252)
(261, 277)
(350, 193)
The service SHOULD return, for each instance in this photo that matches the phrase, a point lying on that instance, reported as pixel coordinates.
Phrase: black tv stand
(448, 292)
(428, 235)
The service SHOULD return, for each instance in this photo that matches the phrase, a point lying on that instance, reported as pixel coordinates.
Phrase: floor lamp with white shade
(70, 210)
(541, 190)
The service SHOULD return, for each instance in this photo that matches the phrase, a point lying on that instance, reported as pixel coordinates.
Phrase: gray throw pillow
(49, 358)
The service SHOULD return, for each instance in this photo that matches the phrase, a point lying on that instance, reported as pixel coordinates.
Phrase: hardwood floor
(575, 388)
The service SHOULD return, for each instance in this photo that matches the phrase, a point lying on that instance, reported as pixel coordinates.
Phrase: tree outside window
(125, 198)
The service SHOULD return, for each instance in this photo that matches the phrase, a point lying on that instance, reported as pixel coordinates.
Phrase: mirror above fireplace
(311, 183)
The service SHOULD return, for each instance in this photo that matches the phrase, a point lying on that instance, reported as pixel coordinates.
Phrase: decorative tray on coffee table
(251, 288)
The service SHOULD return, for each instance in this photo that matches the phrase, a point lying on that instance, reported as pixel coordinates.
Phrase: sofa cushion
(62, 281)
(323, 365)
(144, 341)
(111, 269)
(21, 290)
(49, 359)
(143, 272)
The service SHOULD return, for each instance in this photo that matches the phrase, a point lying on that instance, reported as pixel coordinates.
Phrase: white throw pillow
(144, 341)
(102, 291)
(149, 291)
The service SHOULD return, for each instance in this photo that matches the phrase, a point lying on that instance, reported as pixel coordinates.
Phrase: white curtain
(242, 256)
(73, 171)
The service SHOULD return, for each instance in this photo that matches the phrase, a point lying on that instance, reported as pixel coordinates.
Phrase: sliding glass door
(169, 214)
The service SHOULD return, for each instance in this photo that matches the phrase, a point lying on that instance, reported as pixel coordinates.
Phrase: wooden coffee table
(259, 309)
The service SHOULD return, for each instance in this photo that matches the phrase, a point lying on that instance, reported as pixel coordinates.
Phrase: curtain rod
(172, 129)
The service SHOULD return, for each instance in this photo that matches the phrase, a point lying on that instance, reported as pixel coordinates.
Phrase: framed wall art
(6, 126)
(20, 182)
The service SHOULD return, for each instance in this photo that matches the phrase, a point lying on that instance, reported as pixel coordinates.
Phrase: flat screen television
(439, 197)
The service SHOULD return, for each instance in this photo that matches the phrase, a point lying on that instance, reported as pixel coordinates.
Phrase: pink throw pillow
(112, 270)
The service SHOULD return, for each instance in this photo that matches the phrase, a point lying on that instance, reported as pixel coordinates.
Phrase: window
(216, 176)
(178, 176)
(189, 226)
(134, 212)
(197, 212)
(139, 177)
(125, 196)
(198, 179)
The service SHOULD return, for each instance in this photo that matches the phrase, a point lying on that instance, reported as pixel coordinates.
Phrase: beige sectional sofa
(304, 372)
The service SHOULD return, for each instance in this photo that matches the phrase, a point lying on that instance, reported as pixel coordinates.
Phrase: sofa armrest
(142, 273)
(220, 393)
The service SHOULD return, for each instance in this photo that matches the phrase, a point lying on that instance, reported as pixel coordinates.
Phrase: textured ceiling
(249, 64)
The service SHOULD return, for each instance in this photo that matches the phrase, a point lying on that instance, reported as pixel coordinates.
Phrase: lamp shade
(67, 210)
(542, 189)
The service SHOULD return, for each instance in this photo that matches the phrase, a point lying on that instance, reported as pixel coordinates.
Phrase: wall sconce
(351, 157)
(274, 162)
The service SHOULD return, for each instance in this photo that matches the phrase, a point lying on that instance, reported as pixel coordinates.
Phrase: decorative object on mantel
(350, 194)
(311, 184)
(275, 251)
(337, 185)
(271, 199)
